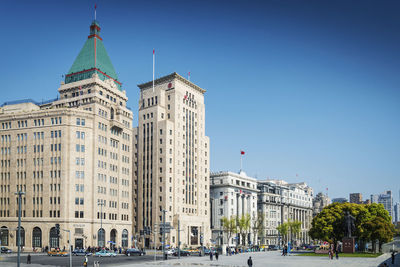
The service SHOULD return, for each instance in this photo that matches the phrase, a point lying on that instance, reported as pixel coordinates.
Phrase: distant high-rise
(356, 198)
(386, 199)
(339, 200)
(397, 212)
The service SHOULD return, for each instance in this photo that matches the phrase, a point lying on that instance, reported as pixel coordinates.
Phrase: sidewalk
(270, 258)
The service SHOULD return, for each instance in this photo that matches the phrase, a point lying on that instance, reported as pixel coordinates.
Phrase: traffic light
(58, 229)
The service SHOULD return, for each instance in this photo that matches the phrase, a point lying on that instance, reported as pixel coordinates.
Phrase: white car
(170, 251)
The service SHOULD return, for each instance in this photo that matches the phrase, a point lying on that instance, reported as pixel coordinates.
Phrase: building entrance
(78, 242)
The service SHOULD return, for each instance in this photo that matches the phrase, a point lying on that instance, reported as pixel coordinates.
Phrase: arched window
(113, 237)
(124, 238)
(22, 244)
(101, 237)
(4, 236)
(54, 238)
(37, 237)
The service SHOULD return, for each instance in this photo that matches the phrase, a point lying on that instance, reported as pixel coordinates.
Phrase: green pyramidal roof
(92, 58)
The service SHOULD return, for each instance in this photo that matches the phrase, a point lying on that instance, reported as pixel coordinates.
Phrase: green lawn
(357, 254)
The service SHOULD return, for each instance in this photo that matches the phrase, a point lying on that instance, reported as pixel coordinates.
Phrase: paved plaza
(271, 258)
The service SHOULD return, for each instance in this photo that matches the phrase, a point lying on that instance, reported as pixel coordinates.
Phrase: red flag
(95, 6)
(154, 51)
(241, 152)
(185, 97)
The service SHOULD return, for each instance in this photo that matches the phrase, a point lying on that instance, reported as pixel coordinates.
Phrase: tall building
(356, 198)
(339, 200)
(386, 199)
(72, 158)
(171, 169)
(320, 201)
(232, 195)
(293, 204)
(396, 218)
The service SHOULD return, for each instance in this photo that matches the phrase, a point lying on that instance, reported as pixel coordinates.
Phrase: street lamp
(101, 204)
(19, 193)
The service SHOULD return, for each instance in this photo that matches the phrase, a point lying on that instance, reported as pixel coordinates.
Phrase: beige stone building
(171, 168)
(72, 158)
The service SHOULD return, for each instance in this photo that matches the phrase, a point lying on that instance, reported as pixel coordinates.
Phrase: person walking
(211, 256)
(337, 253)
(393, 257)
(216, 255)
(28, 259)
(85, 261)
(250, 262)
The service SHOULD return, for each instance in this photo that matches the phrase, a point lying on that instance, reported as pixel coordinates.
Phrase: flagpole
(154, 60)
(95, 7)
(241, 156)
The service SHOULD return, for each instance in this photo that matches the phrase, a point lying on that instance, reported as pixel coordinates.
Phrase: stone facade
(72, 158)
(282, 202)
(320, 202)
(232, 194)
(171, 168)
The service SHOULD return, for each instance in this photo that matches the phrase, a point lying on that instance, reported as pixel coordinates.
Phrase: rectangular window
(78, 121)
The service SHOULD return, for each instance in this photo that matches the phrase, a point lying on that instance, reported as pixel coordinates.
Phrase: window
(78, 121)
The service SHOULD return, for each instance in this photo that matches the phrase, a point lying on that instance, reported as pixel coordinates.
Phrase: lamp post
(19, 193)
(101, 204)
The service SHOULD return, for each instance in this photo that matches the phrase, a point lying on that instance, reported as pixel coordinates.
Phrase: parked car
(183, 253)
(272, 247)
(81, 252)
(57, 253)
(5, 250)
(134, 251)
(105, 253)
(170, 251)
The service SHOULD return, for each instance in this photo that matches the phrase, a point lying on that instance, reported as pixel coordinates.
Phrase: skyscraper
(71, 156)
(171, 169)
(356, 198)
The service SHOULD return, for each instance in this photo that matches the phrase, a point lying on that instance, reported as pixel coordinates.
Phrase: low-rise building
(320, 202)
(293, 204)
(232, 195)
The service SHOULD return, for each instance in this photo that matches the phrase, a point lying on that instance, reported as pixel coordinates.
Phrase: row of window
(6, 138)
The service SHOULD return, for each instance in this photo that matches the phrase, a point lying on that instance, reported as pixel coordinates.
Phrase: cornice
(168, 78)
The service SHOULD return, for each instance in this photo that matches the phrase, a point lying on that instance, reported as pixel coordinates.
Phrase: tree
(294, 228)
(244, 224)
(229, 226)
(258, 226)
(328, 225)
(283, 231)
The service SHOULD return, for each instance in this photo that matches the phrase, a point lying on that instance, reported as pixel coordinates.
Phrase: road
(78, 260)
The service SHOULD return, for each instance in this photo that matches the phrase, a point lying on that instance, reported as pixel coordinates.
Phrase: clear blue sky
(304, 87)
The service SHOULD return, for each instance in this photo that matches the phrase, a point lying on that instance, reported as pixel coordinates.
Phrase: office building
(320, 201)
(171, 168)
(356, 198)
(281, 202)
(232, 195)
(339, 200)
(72, 158)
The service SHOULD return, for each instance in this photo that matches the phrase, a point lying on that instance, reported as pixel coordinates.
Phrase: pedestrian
(28, 259)
(85, 262)
(211, 256)
(393, 257)
(337, 253)
(216, 255)
(250, 262)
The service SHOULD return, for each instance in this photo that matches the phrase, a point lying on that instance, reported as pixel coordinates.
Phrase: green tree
(229, 226)
(244, 224)
(328, 225)
(294, 228)
(283, 230)
(258, 226)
